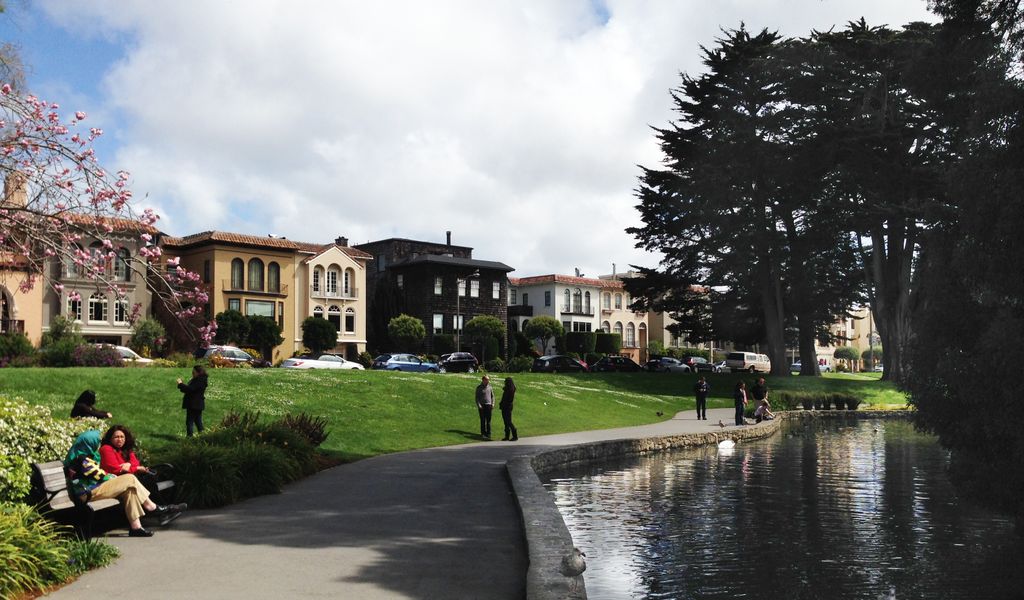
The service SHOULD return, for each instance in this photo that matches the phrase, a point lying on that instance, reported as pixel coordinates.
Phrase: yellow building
(20, 311)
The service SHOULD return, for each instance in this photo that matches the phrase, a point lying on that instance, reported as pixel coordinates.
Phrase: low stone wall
(548, 538)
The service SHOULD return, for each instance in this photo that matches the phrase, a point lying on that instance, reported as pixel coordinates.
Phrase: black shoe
(515, 439)
(165, 519)
(140, 532)
(164, 509)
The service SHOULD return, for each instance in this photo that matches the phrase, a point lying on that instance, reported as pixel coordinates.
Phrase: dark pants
(193, 417)
(739, 412)
(506, 417)
(702, 407)
(485, 420)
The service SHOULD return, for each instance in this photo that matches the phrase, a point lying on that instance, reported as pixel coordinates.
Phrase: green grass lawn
(374, 412)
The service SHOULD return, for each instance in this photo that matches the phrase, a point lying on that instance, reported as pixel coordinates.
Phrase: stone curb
(548, 538)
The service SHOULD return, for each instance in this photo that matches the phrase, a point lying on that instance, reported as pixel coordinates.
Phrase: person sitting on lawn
(85, 406)
(763, 413)
(90, 482)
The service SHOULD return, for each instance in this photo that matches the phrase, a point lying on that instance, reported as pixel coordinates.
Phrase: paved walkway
(438, 523)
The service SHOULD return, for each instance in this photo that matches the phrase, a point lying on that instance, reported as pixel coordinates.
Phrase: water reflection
(861, 509)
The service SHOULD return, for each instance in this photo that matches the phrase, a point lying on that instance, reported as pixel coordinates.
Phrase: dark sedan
(698, 363)
(458, 362)
(618, 364)
(558, 364)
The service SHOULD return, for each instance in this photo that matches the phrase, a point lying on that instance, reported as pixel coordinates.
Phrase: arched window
(630, 336)
(586, 303)
(525, 322)
(332, 281)
(606, 327)
(577, 301)
(513, 326)
(122, 265)
(334, 316)
(349, 281)
(237, 274)
(618, 328)
(350, 319)
(568, 300)
(255, 275)
(97, 259)
(318, 277)
(318, 312)
(618, 301)
(97, 307)
(273, 277)
(606, 300)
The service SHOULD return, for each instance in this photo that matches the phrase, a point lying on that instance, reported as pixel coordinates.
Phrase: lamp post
(458, 317)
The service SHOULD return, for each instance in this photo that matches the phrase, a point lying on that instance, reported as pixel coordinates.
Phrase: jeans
(193, 417)
(739, 413)
(485, 420)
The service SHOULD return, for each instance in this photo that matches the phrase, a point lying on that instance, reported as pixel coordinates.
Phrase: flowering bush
(30, 434)
(90, 355)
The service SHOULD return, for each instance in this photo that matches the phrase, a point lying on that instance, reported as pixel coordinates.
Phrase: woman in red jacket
(117, 454)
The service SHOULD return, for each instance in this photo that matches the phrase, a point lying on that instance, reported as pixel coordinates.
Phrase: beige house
(20, 311)
(330, 283)
(615, 317)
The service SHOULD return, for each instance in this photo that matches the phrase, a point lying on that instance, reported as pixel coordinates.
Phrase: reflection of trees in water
(844, 509)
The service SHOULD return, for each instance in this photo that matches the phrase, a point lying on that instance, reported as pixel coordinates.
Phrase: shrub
(205, 474)
(60, 353)
(182, 360)
(33, 551)
(842, 368)
(87, 555)
(581, 342)
(365, 359)
(495, 365)
(444, 343)
(14, 345)
(520, 364)
(524, 347)
(608, 343)
(852, 403)
(314, 429)
(91, 355)
(262, 469)
(147, 335)
(162, 362)
(30, 434)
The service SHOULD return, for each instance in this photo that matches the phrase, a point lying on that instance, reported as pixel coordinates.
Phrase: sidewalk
(437, 523)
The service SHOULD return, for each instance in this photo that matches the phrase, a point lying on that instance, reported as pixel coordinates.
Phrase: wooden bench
(51, 493)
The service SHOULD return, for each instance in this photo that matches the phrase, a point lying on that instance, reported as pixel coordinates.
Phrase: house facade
(440, 284)
(331, 284)
(21, 311)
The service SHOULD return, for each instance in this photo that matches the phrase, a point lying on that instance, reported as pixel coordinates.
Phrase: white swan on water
(727, 444)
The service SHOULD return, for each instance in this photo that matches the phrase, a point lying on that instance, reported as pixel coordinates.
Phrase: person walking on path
(701, 389)
(484, 405)
(508, 396)
(194, 400)
(739, 398)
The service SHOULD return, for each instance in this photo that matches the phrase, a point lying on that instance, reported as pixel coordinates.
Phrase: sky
(518, 125)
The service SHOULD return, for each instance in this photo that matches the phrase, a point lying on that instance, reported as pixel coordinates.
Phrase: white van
(748, 361)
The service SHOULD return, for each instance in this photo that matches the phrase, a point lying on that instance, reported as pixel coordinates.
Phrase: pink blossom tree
(56, 195)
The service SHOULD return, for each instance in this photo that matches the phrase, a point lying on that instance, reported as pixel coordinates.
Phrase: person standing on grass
(739, 398)
(701, 389)
(194, 401)
(484, 405)
(508, 396)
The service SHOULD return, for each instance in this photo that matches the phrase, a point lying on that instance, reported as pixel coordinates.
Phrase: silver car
(324, 361)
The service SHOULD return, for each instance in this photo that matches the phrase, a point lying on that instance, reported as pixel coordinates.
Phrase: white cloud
(516, 125)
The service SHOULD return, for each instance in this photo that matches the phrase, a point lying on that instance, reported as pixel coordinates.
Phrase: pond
(823, 509)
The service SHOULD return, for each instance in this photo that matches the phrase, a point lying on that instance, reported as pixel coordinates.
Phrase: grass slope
(373, 412)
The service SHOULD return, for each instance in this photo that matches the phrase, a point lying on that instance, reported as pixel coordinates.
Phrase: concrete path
(438, 523)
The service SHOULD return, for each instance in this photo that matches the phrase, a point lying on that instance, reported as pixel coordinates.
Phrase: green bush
(365, 359)
(182, 360)
(205, 474)
(87, 555)
(593, 357)
(147, 336)
(520, 364)
(60, 352)
(608, 343)
(581, 342)
(32, 552)
(13, 346)
(524, 347)
(262, 469)
(444, 343)
(495, 365)
(30, 434)
(314, 429)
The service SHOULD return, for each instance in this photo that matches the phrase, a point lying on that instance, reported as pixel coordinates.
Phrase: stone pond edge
(548, 538)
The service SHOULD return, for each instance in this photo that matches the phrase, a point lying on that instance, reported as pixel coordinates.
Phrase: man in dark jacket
(194, 401)
(759, 391)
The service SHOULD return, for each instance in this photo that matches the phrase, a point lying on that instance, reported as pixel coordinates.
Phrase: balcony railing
(587, 311)
(520, 310)
(12, 326)
(228, 286)
(351, 294)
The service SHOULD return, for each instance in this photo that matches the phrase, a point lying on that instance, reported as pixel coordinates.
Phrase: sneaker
(164, 509)
(140, 532)
(165, 519)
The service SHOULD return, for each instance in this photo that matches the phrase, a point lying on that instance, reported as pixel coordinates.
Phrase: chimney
(613, 271)
(449, 235)
(341, 241)
(14, 190)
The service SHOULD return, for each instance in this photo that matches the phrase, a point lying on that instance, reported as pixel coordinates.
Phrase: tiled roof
(566, 279)
(318, 249)
(119, 224)
(231, 238)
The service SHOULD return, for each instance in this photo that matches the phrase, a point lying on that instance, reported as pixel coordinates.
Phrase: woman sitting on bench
(90, 482)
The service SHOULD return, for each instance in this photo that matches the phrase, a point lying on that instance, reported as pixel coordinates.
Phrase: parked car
(458, 362)
(404, 362)
(234, 354)
(558, 363)
(129, 356)
(877, 369)
(795, 367)
(697, 363)
(721, 368)
(748, 361)
(666, 364)
(324, 361)
(618, 364)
